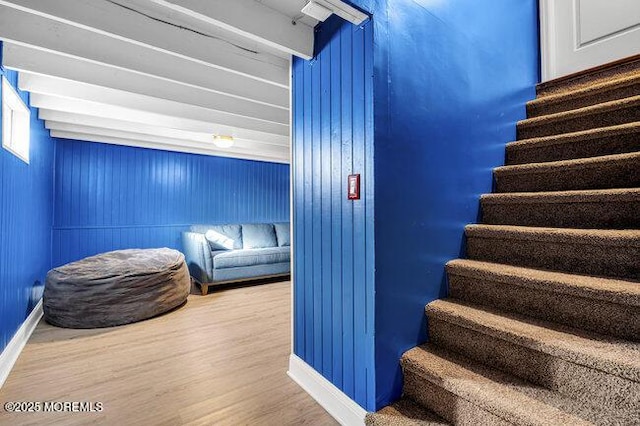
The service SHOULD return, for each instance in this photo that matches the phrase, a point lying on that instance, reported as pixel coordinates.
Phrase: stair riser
(449, 406)
(627, 66)
(611, 319)
(580, 148)
(575, 381)
(619, 173)
(537, 109)
(572, 257)
(607, 118)
(589, 215)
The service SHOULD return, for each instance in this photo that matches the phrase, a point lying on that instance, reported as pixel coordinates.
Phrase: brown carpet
(404, 412)
(606, 114)
(542, 323)
(608, 90)
(582, 144)
(608, 171)
(587, 209)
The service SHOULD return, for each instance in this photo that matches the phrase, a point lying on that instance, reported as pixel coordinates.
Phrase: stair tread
(612, 356)
(504, 395)
(580, 112)
(566, 164)
(574, 196)
(615, 237)
(404, 412)
(607, 289)
(632, 127)
(594, 88)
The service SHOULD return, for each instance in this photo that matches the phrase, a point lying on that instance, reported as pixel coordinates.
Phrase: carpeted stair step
(404, 412)
(609, 171)
(611, 253)
(611, 71)
(603, 305)
(618, 139)
(584, 366)
(463, 391)
(604, 91)
(611, 113)
(602, 208)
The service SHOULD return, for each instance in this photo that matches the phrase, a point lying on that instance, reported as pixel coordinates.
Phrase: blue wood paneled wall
(26, 211)
(334, 257)
(110, 197)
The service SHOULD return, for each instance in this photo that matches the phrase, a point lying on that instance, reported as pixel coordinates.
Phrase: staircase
(542, 323)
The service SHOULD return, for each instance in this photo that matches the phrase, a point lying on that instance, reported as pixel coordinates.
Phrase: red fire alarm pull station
(353, 187)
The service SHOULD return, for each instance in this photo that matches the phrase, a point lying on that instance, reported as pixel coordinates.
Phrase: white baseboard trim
(10, 354)
(332, 399)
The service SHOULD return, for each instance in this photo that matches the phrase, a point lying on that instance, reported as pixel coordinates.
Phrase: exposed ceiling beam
(250, 19)
(24, 28)
(106, 18)
(165, 147)
(66, 89)
(96, 109)
(344, 10)
(240, 147)
(229, 109)
(158, 74)
(132, 127)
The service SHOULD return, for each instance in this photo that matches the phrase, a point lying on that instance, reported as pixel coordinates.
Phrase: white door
(580, 34)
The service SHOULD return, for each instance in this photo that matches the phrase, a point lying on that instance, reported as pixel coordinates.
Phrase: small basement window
(15, 122)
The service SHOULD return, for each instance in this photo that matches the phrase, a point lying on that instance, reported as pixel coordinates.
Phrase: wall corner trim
(332, 399)
(10, 354)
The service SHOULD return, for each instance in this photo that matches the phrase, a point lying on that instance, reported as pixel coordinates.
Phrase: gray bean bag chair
(115, 288)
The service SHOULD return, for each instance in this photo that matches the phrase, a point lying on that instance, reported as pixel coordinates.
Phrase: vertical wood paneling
(298, 219)
(347, 210)
(336, 210)
(110, 197)
(26, 211)
(332, 138)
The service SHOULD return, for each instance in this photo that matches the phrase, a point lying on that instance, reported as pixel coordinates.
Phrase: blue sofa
(219, 254)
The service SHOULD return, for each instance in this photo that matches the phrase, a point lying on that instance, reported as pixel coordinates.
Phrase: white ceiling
(166, 74)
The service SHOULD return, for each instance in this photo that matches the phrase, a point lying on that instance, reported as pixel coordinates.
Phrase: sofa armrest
(198, 256)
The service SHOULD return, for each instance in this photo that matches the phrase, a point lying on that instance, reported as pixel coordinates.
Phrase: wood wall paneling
(332, 138)
(110, 197)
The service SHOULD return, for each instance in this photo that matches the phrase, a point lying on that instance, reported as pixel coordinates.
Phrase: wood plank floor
(220, 359)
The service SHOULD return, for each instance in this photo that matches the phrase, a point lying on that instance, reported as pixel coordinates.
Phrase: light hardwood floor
(220, 359)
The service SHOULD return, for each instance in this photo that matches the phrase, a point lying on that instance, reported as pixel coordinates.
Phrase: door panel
(580, 34)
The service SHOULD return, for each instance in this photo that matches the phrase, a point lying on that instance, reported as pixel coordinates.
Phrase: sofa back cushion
(258, 235)
(224, 237)
(283, 234)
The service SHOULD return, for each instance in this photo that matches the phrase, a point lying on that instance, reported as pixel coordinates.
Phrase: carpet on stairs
(542, 322)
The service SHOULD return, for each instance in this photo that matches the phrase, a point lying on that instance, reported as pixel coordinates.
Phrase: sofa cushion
(224, 237)
(283, 234)
(251, 272)
(250, 257)
(258, 235)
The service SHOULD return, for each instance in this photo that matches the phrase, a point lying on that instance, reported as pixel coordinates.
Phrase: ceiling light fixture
(223, 141)
(322, 9)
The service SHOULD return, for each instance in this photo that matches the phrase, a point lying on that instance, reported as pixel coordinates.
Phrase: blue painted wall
(334, 257)
(450, 80)
(110, 197)
(26, 211)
